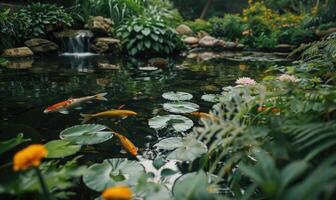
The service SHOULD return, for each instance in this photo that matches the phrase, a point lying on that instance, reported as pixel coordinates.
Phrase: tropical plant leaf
(11, 143)
(86, 134)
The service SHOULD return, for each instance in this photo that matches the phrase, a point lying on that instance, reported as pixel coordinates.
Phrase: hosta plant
(146, 34)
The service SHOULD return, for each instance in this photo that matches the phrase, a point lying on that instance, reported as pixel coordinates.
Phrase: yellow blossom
(117, 193)
(30, 156)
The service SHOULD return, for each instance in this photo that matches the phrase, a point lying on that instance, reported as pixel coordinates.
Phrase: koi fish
(62, 107)
(127, 144)
(109, 113)
(204, 115)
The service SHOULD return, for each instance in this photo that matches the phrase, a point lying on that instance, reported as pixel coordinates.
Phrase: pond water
(27, 89)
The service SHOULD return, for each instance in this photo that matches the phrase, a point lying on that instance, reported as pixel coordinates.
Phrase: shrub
(116, 10)
(165, 10)
(7, 33)
(147, 34)
(37, 18)
(200, 25)
(230, 27)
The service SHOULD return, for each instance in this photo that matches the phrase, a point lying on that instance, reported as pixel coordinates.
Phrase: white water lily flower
(245, 81)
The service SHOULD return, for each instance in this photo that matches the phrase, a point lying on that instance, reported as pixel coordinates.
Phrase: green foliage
(11, 143)
(230, 27)
(36, 19)
(7, 32)
(200, 25)
(150, 35)
(165, 10)
(116, 10)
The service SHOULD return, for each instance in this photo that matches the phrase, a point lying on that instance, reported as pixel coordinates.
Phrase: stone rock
(158, 62)
(191, 40)
(284, 48)
(38, 45)
(24, 63)
(18, 52)
(240, 46)
(209, 42)
(202, 34)
(230, 45)
(100, 25)
(324, 33)
(105, 45)
(72, 33)
(184, 30)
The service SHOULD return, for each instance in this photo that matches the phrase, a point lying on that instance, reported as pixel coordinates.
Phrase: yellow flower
(30, 156)
(117, 193)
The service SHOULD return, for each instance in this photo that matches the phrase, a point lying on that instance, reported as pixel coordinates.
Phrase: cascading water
(75, 47)
(76, 43)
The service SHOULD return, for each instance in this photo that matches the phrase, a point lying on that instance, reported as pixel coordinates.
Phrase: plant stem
(43, 184)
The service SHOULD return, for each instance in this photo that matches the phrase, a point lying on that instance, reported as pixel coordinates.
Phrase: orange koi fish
(108, 113)
(127, 144)
(204, 115)
(62, 107)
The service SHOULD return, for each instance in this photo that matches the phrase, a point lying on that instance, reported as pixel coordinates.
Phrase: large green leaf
(112, 172)
(184, 149)
(177, 96)
(180, 107)
(11, 143)
(86, 134)
(61, 148)
(178, 122)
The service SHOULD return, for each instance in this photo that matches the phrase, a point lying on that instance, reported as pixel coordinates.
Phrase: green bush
(116, 10)
(230, 27)
(200, 25)
(7, 32)
(296, 36)
(165, 10)
(35, 20)
(148, 35)
(264, 41)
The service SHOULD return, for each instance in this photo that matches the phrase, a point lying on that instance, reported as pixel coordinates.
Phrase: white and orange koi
(64, 106)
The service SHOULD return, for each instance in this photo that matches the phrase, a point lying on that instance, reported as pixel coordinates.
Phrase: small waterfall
(75, 43)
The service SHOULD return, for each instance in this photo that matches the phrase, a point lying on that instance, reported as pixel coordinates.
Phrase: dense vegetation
(271, 138)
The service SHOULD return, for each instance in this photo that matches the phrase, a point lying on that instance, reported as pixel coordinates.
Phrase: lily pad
(177, 96)
(180, 107)
(213, 98)
(61, 148)
(86, 134)
(184, 149)
(178, 122)
(117, 171)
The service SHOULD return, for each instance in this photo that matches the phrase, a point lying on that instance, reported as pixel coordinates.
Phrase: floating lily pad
(61, 148)
(213, 98)
(180, 107)
(86, 134)
(148, 68)
(177, 96)
(178, 122)
(184, 149)
(110, 172)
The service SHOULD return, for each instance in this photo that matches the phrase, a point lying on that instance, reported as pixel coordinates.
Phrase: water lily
(245, 81)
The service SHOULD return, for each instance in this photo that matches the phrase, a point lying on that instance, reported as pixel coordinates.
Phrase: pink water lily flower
(245, 81)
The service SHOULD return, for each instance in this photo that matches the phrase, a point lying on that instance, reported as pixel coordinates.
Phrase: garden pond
(30, 86)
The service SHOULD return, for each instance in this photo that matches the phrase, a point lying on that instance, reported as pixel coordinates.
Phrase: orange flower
(30, 156)
(117, 193)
